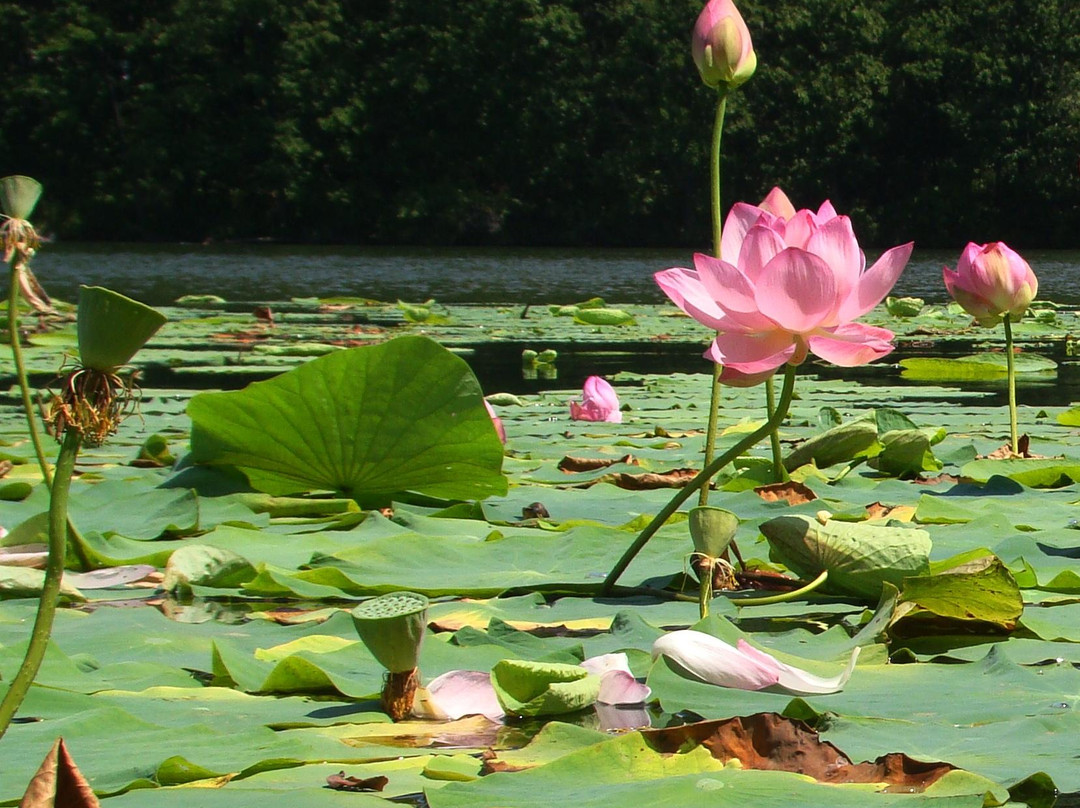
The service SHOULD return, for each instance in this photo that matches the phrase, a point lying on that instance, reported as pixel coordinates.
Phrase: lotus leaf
(543, 688)
(858, 557)
(368, 422)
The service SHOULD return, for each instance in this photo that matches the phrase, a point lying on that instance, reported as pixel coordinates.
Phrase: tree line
(561, 122)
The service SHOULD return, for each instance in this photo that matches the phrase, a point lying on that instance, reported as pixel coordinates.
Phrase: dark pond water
(158, 274)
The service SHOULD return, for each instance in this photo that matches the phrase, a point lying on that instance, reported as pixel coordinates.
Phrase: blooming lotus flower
(721, 45)
(743, 667)
(496, 421)
(787, 283)
(599, 403)
(991, 281)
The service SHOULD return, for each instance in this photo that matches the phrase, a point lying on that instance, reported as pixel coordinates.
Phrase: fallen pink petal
(459, 693)
(617, 683)
(743, 667)
(496, 421)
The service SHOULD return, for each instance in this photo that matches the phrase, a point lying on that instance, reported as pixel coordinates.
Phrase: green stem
(78, 543)
(1010, 364)
(702, 478)
(20, 372)
(710, 433)
(717, 228)
(705, 584)
(779, 472)
(50, 590)
(784, 597)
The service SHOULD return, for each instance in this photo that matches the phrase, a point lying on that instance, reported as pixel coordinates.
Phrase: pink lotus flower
(787, 283)
(742, 666)
(496, 421)
(599, 403)
(991, 281)
(723, 51)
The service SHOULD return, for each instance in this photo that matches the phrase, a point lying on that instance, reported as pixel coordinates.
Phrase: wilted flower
(743, 667)
(787, 283)
(723, 51)
(599, 403)
(991, 281)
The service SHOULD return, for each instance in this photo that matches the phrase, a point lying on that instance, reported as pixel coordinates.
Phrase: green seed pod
(392, 628)
(712, 529)
(18, 196)
(112, 328)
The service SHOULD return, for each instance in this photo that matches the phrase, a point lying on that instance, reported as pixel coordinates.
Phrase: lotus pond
(210, 657)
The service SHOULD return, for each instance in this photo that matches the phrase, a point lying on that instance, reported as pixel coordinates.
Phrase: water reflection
(158, 274)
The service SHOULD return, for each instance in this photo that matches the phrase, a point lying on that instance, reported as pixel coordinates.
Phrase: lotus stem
(715, 176)
(780, 474)
(702, 478)
(1010, 364)
(77, 542)
(20, 371)
(50, 590)
(784, 597)
(705, 585)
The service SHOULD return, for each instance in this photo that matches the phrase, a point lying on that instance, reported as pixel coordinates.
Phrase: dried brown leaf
(59, 783)
(570, 464)
(345, 782)
(676, 478)
(792, 492)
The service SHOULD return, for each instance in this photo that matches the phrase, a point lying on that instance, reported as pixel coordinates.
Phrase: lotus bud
(599, 402)
(992, 281)
(722, 48)
(392, 627)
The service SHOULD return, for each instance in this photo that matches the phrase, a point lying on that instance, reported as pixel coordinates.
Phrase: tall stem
(715, 177)
(78, 543)
(702, 478)
(50, 590)
(1010, 364)
(779, 472)
(20, 372)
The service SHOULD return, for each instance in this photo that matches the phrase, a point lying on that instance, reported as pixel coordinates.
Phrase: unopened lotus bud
(722, 48)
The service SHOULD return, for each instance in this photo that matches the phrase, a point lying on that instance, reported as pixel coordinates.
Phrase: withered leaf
(59, 783)
(344, 782)
(770, 741)
(794, 493)
(570, 464)
(878, 510)
(1005, 452)
(676, 478)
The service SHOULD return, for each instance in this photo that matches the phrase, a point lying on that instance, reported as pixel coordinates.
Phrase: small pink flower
(992, 281)
(787, 283)
(599, 403)
(721, 45)
(496, 421)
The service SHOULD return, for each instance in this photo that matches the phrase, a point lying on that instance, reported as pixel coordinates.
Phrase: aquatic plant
(599, 402)
(995, 285)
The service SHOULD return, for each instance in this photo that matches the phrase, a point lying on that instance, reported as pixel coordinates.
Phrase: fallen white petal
(803, 682)
(715, 661)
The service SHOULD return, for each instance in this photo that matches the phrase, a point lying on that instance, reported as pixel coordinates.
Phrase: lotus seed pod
(392, 627)
(712, 529)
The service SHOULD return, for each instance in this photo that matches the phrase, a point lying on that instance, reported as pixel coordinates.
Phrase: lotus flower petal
(617, 682)
(685, 289)
(459, 693)
(874, 284)
(777, 203)
(852, 344)
(797, 291)
(742, 666)
(496, 421)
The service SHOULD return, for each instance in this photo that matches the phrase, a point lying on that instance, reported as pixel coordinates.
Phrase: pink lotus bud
(496, 421)
(599, 403)
(723, 51)
(992, 281)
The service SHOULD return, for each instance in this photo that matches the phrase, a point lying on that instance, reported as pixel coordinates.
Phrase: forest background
(537, 122)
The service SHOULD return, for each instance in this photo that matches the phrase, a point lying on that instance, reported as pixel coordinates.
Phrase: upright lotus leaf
(368, 422)
(18, 196)
(859, 557)
(712, 529)
(392, 627)
(112, 328)
(837, 445)
(543, 688)
(907, 452)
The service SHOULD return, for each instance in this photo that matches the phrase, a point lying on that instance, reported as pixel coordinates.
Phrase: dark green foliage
(538, 121)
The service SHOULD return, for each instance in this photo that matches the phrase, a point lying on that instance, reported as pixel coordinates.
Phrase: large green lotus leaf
(837, 445)
(981, 367)
(369, 422)
(979, 596)
(858, 557)
(1032, 472)
(907, 452)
